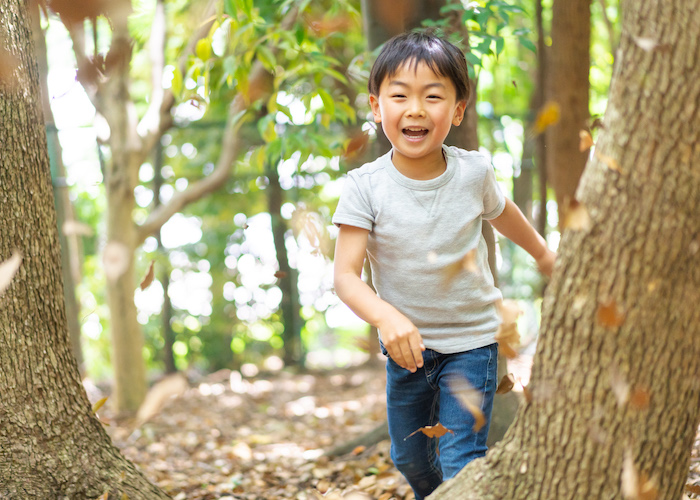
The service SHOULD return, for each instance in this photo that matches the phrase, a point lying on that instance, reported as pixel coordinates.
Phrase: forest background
(199, 148)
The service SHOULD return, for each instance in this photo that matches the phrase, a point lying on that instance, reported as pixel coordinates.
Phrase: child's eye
(434, 97)
(400, 96)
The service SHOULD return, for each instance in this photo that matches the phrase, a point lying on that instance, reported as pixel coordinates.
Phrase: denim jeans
(415, 400)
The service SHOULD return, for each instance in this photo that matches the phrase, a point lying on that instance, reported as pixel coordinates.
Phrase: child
(416, 212)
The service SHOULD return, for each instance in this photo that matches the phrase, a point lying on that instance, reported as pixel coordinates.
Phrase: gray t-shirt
(419, 232)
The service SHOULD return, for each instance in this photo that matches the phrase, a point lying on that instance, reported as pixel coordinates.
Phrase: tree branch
(86, 74)
(158, 118)
(156, 52)
(230, 150)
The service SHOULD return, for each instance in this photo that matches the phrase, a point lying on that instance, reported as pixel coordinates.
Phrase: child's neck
(422, 169)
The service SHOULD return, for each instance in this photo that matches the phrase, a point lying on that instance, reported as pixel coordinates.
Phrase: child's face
(417, 108)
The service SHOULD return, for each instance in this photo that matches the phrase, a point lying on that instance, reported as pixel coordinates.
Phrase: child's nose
(416, 110)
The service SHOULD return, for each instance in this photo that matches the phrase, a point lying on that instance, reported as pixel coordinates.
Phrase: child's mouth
(415, 132)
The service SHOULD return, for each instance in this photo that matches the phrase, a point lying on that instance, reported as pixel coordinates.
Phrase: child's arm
(513, 225)
(399, 335)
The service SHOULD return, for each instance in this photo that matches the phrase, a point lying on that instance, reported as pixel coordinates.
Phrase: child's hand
(546, 263)
(402, 340)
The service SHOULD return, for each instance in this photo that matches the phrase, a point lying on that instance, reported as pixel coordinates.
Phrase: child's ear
(374, 103)
(459, 113)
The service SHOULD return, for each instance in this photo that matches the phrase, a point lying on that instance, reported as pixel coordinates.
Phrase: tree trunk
(613, 387)
(70, 247)
(568, 67)
(51, 444)
(287, 276)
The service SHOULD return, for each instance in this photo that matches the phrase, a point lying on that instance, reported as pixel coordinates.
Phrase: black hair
(423, 46)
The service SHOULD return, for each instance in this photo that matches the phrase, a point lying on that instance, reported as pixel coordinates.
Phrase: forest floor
(230, 437)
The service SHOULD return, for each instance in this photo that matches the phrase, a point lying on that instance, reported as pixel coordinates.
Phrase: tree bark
(613, 385)
(70, 244)
(51, 444)
(568, 67)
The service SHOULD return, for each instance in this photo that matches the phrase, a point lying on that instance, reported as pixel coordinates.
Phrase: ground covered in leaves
(229, 437)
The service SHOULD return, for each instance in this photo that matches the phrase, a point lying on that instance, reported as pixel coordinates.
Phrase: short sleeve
(494, 200)
(353, 206)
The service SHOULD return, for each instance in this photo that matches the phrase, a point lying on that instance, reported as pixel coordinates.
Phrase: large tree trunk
(52, 446)
(70, 244)
(614, 385)
(568, 67)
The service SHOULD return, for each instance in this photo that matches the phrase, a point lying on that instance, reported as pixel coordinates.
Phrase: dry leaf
(507, 335)
(548, 116)
(466, 263)
(99, 404)
(76, 228)
(470, 398)
(693, 488)
(8, 269)
(358, 450)
(609, 315)
(611, 162)
(148, 279)
(280, 274)
(586, 141)
(171, 386)
(357, 145)
(323, 486)
(636, 486)
(115, 258)
(646, 44)
(104, 496)
(639, 398)
(576, 215)
(619, 386)
(506, 384)
(437, 430)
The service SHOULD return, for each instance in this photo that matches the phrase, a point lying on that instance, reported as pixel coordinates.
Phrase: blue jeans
(415, 400)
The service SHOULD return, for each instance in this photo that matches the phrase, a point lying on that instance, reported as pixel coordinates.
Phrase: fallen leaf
(104, 496)
(693, 488)
(609, 315)
(470, 398)
(171, 386)
(437, 430)
(576, 215)
(548, 116)
(585, 141)
(99, 404)
(148, 279)
(636, 486)
(8, 269)
(358, 450)
(115, 258)
(506, 384)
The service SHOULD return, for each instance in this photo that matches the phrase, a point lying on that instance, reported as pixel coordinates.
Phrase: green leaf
(500, 43)
(473, 59)
(527, 43)
(177, 82)
(266, 57)
(203, 49)
(328, 102)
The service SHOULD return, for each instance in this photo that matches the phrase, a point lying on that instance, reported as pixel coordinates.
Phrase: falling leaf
(470, 398)
(620, 387)
(639, 398)
(156, 398)
(357, 145)
(548, 116)
(514, 84)
(507, 335)
(438, 430)
(611, 162)
(76, 228)
(506, 384)
(466, 263)
(646, 44)
(148, 279)
(358, 450)
(115, 258)
(280, 274)
(8, 269)
(609, 315)
(527, 393)
(636, 486)
(576, 215)
(693, 488)
(586, 141)
(99, 404)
